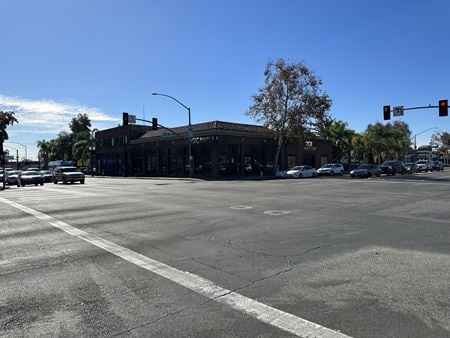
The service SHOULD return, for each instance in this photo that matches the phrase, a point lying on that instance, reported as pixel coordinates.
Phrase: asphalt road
(364, 257)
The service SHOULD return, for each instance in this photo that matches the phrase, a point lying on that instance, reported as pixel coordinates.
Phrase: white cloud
(49, 114)
(39, 119)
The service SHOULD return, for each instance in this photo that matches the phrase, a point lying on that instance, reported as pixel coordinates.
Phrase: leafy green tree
(63, 145)
(290, 102)
(80, 123)
(442, 141)
(388, 141)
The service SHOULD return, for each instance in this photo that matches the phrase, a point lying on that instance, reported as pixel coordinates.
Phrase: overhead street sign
(398, 111)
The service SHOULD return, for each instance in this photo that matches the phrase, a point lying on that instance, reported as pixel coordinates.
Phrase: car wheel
(22, 185)
(352, 176)
(300, 176)
(35, 184)
(313, 174)
(18, 185)
(82, 182)
(331, 173)
(64, 181)
(342, 173)
(42, 183)
(55, 181)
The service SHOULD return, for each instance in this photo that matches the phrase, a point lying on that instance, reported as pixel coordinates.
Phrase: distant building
(219, 149)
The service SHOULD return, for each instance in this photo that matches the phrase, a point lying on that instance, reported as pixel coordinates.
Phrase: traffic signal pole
(443, 109)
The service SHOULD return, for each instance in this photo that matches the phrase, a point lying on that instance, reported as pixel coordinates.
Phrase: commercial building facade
(219, 149)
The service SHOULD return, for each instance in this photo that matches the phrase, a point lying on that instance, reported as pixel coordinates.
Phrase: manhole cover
(276, 212)
(241, 207)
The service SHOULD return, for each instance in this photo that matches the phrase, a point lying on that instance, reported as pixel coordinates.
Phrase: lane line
(264, 313)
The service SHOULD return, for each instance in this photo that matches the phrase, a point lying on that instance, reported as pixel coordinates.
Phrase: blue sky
(103, 57)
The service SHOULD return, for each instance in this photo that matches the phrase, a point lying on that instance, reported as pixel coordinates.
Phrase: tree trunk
(280, 143)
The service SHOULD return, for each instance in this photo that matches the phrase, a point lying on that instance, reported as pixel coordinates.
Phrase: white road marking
(241, 207)
(264, 313)
(276, 212)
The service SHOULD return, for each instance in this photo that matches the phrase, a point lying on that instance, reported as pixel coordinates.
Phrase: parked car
(331, 169)
(11, 177)
(424, 165)
(411, 167)
(438, 165)
(47, 175)
(67, 174)
(392, 167)
(29, 177)
(365, 170)
(302, 171)
(281, 174)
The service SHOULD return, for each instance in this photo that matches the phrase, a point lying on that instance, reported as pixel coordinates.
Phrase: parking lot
(162, 257)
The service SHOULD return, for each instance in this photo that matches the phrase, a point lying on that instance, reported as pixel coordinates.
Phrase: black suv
(68, 174)
(392, 167)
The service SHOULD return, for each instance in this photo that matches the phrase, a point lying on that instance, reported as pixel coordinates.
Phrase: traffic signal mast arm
(160, 125)
(442, 106)
(424, 107)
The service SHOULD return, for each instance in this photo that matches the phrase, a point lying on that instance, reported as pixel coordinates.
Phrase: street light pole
(189, 130)
(415, 139)
(23, 145)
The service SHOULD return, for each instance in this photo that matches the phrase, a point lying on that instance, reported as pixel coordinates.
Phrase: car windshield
(408, 164)
(30, 173)
(389, 163)
(365, 166)
(46, 172)
(328, 166)
(69, 169)
(15, 172)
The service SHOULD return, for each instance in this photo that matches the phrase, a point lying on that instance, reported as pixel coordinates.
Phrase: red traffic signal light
(443, 108)
(387, 112)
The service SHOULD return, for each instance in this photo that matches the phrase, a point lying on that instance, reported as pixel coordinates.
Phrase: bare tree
(291, 102)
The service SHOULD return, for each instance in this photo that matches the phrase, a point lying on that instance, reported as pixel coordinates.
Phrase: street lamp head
(155, 93)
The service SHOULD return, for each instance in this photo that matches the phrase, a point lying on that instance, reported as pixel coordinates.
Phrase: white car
(302, 171)
(331, 169)
(424, 165)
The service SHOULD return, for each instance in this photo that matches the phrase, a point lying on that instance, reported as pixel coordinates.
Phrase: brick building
(219, 149)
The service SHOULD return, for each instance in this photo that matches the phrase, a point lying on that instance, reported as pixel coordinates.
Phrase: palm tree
(6, 118)
(44, 151)
(82, 148)
(341, 136)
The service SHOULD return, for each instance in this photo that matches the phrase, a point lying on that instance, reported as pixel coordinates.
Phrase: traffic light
(154, 123)
(387, 112)
(125, 119)
(443, 108)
